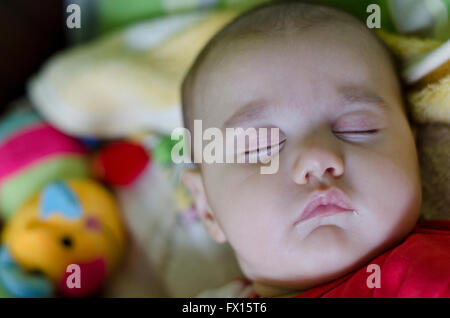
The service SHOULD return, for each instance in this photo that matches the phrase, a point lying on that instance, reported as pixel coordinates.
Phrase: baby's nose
(317, 161)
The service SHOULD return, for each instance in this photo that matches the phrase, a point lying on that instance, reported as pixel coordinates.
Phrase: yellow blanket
(426, 70)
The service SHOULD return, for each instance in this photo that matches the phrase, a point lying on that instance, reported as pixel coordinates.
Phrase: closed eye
(268, 148)
(263, 153)
(357, 135)
(370, 131)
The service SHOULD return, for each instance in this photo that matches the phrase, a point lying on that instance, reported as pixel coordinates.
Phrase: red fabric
(419, 266)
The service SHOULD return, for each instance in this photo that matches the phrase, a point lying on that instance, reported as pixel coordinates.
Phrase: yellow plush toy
(68, 222)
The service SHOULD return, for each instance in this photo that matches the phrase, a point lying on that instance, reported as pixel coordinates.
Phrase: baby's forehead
(267, 67)
(229, 61)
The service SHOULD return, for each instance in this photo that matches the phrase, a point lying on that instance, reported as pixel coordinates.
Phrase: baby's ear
(193, 181)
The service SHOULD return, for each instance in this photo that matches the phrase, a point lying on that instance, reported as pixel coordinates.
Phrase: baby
(347, 192)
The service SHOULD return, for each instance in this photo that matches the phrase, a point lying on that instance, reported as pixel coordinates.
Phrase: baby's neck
(270, 291)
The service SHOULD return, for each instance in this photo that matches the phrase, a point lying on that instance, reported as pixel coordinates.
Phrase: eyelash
(365, 132)
(354, 135)
(281, 144)
(259, 150)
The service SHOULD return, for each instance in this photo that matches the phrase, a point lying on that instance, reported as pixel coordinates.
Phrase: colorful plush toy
(58, 222)
(16, 282)
(68, 222)
(32, 154)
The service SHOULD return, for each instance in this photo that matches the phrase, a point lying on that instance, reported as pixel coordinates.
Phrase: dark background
(30, 32)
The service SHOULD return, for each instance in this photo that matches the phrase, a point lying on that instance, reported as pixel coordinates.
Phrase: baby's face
(333, 95)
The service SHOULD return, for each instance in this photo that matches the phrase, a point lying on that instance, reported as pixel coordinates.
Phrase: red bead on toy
(120, 163)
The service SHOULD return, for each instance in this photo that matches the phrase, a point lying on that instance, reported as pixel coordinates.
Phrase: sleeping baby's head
(348, 184)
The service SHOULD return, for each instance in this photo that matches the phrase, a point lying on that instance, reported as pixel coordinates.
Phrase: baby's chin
(325, 249)
(353, 237)
(330, 231)
(328, 253)
(305, 275)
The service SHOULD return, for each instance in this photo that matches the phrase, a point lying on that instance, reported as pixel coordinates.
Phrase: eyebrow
(251, 111)
(258, 109)
(358, 95)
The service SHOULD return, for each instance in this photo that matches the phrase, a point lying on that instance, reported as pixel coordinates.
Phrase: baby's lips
(92, 275)
(332, 198)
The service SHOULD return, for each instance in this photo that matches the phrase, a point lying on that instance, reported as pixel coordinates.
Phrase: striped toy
(32, 154)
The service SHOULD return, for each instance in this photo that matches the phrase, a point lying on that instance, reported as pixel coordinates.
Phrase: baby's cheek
(248, 212)
(387, 187)
(248, 230)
